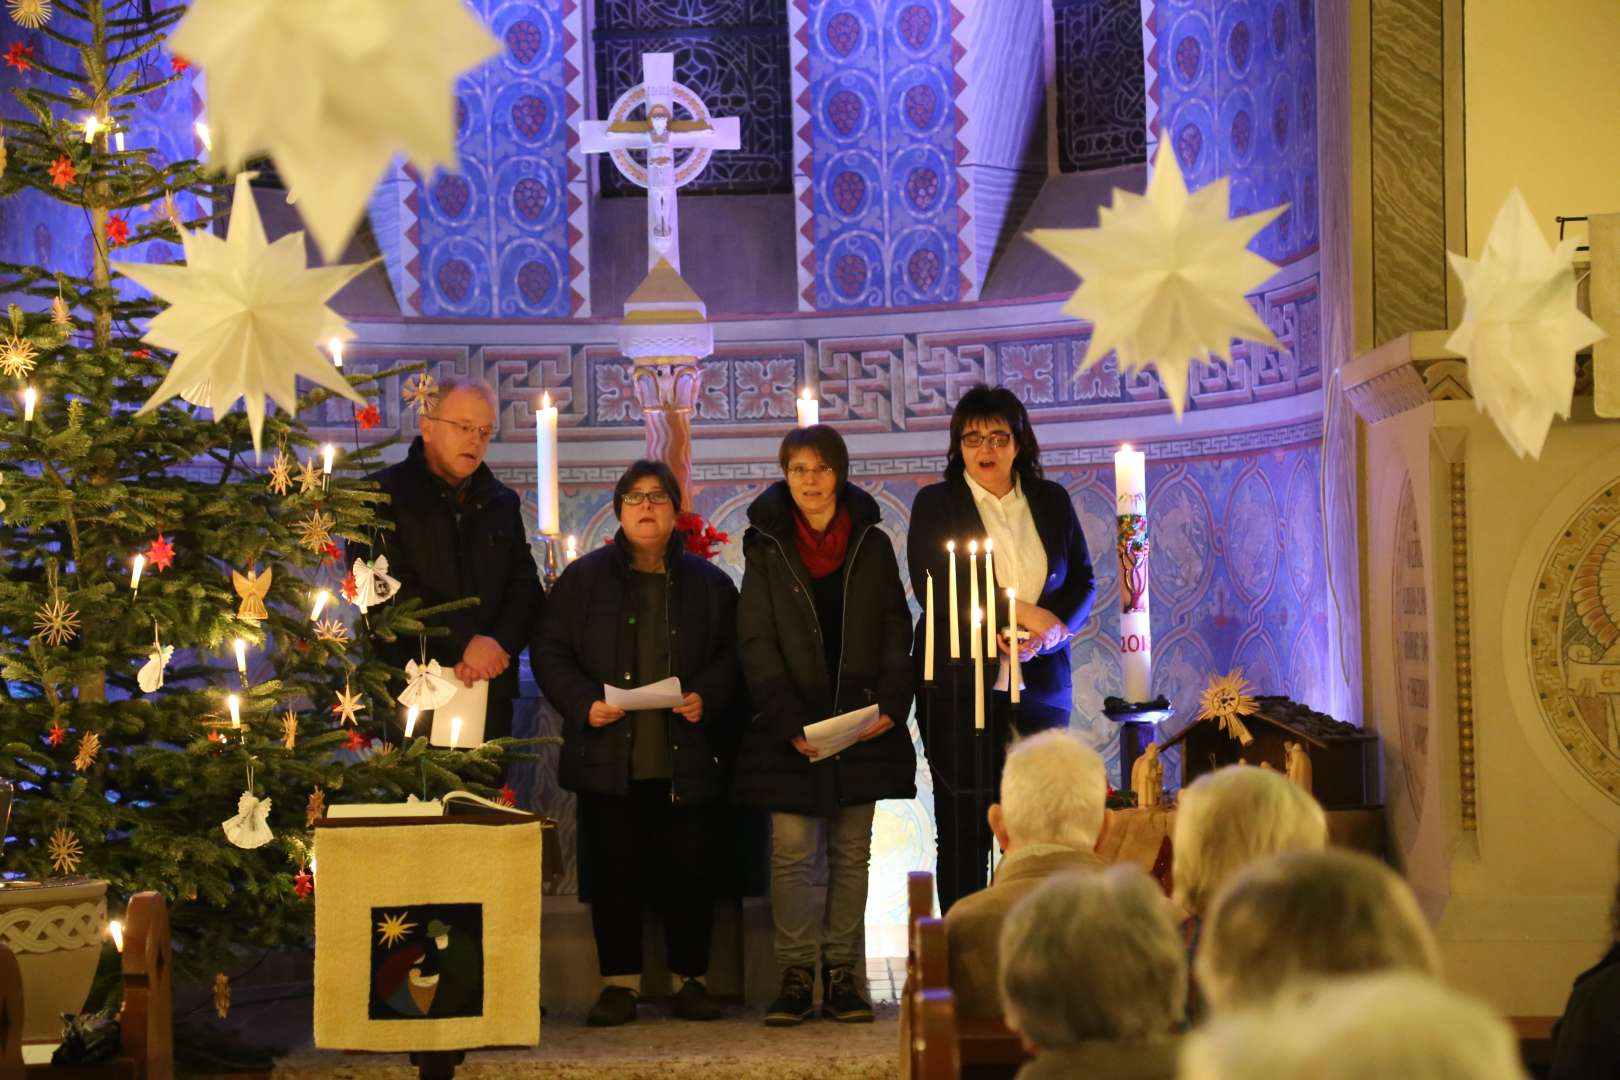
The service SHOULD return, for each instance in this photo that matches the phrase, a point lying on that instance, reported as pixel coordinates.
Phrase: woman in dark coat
(994, 488)
(1585, 1041)
(649, 782)
(825, 630)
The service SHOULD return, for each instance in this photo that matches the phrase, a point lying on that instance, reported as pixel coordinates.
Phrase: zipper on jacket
(808, 597)
(838, 676)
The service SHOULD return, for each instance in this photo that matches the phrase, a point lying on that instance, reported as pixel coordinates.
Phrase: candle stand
(549, 562)
(1137, 722)
(962, 757)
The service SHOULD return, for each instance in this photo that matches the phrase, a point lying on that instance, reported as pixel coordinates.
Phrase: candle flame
(978, 616)
(973, 548)
(950, 546)
(235, 704)
(139, 564)
(1126, 448)
(30, 397)
(988, 544)
(545, 401)
(241, 654)
(204, 136)
(335, 347)
(93, 126)
(805, 394)
(410, 721)
(115, 930)
(326, 457)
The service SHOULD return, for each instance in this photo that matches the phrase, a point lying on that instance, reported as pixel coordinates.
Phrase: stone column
(666, 393)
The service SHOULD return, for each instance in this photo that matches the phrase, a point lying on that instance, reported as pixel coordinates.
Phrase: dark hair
(822, 440)
(640, 470)
(983, 403)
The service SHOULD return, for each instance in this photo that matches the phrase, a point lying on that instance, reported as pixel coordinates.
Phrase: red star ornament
(20, 56)
(508, 796)
(56, 734)
(332, 551)
(177, 64)
(350, 588)
(63, 171)
(214, 736)
(356, 741)
(367, 417)
(141, 354)
(303, 883)
(160, 556)
(117, 231)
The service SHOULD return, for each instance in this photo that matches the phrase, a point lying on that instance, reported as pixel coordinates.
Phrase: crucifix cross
(658, 134)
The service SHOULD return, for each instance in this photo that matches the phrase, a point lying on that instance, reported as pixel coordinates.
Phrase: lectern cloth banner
(427, 932)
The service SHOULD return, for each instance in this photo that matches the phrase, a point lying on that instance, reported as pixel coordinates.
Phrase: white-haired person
(1094, 978)
(1226, 820)
(1304, 917)
(1050, 819)
(1390, 1024)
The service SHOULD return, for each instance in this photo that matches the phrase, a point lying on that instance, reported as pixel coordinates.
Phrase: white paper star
(1164, 276)
(1522, 327)
(244, 317)
(333, 91)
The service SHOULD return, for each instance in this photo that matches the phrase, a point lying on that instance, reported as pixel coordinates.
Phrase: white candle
(320, 602)
(545, 449)
(335, 347)
(1135, 624)
(951, 612)
(928, 632)
(989, 600)
(809, 409)
(204, 136)
(326, 459)
(1013, 678)
(410, 720)
(115, 930)
(455, 732)
(241, 655)
(118, 141)
(234, 703)
(978, 675)
(973, 590)
(30, 396)
(137, 564)
(571, 548)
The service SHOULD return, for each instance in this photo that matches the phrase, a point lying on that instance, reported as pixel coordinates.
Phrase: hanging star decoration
(421, 391)
(309, 478)
(89, 747)
(280, 474)
(1164, 276)
(1521, 327)
(348, 704)
(17, 357)
(63, 172)
(65, 851)
(243, 317)
(332, 630)
(170, 211)
(57, 623)
(332, 93)
(393, 928)
(315, 809)
(56, 734)
(331, 552)
(303, 883)
(508, 797)
(177, 64)
(61, 314)
(222, 995)
(289, 730)
(30, 13)
(350, 588)
(252, 588)
(160, 555)
(117, 230)
(1227, 700)
(356, 742)
(367, 417)
(20, 56)
(315, 531)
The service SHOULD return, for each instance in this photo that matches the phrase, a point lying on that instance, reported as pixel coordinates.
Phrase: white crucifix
(659, 134)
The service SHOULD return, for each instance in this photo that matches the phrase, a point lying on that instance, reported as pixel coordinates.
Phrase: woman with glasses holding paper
(647, 758)
(826, 636)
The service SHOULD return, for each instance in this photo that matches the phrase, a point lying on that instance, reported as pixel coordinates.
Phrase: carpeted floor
(738, 1047)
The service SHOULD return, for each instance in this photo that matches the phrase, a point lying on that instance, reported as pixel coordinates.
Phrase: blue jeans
(838, 933)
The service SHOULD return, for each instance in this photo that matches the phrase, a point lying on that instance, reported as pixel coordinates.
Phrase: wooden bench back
(934, 1054)
(11, 1017)
(147, 1019)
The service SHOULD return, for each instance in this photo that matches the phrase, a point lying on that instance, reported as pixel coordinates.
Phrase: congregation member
(1391, 1024)
(1093, 977)
(1226, 820)
(993, 488)
(1294, 920)
(824, 630)
(651, 783)
(452, 531)
(1585, 1042)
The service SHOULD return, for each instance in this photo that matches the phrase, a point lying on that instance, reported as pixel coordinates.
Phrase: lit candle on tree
(241, 656)
(545, 450)
(234, 703)
(410, 720)
(30, 397)
(137, 564)
(320, 602)
(1131, 549)
(335, 347)
(809, 409)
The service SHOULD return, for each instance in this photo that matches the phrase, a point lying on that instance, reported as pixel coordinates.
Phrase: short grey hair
(1231, 817)
(1093, 955)
(453, 384)
(1305, 916)
(1054, 789)
(1391, 1024)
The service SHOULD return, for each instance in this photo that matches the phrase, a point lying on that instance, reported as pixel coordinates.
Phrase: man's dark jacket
(587, 638)
(786, 667)
(444, 548)
(1586, 1044)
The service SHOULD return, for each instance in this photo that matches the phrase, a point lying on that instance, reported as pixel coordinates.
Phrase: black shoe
(840, 1000)
(694, 1003)
(616, 1006)
(796, 1003)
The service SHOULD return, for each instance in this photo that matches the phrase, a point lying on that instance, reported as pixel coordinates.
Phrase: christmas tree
(162, 663)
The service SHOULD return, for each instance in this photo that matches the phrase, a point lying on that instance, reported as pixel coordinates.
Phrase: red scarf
(822, 552)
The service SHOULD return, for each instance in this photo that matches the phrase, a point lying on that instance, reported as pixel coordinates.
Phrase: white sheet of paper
(663, 694)
(836, 734)
(469, 705)
(411, 807)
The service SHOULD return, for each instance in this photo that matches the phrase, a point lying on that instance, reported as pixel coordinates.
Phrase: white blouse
(1020, 557)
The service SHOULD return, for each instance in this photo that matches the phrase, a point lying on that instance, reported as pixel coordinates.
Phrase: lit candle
(978, 674)
(320, 602)
(950, 557)
(571, 548)
(115, 930)
(809, 409)
(335, 347)
(455, 732)
(241, 656)
(410, 720)
(30, 397)
(973, 588)
(545, 449)
(928, 632)
(326, 458)
(989, 600)
(118, 141)
(235, 705)
(137, 564)
(1013, 678)
(93, 126)
(1131, 549)
(203, 135)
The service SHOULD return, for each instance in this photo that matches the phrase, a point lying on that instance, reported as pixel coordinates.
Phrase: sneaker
(840, 1000)
(616, 1006)
(694, 1003)
(796, 1003)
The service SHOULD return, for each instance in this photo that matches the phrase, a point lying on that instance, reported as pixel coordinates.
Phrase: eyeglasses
(483, 434)
(809, 472)
(998, 440)
(636, 498)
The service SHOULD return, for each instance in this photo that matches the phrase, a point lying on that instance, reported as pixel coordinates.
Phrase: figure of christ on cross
(659, 135)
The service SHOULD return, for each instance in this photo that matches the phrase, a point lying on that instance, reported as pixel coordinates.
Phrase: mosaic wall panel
(1100, 88)
(1233, 84)
(884, 208)
(733, 54)
(502, 235)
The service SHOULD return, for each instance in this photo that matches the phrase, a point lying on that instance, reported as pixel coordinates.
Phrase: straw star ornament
(65, 851)
(89, 747)
(57, 623)
(280, 474)
(1227, 700)
(348, 704)
(17, 357)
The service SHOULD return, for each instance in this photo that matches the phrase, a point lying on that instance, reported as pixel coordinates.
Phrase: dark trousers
(647, 852)
(963, 848)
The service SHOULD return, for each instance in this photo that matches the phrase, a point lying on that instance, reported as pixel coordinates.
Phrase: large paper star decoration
(1164, 276)
(243, 318)
(332, 92)
(1521, 327)
(160, 555)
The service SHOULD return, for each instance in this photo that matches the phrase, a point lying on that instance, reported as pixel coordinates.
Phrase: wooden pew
(983, 1046)
(934, 1054)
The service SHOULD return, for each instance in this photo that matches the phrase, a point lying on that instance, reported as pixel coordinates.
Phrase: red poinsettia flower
(508, 797)
(367, 417)
(20, 56)
(303, 884)
(332, 551)
(356, 741)
(56, 734)
(117, 231)
(177, 64)
(702, 539)
(351, 588)
(63, 172)
(160, 556)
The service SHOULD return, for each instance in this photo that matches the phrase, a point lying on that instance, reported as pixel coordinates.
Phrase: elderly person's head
(1231, 817)
(1296, 919)
(1093, 956)
(1385, 1025)
(1053, 791)
(457, 427)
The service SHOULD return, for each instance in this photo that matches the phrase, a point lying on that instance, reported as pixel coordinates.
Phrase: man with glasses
(452, 531)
